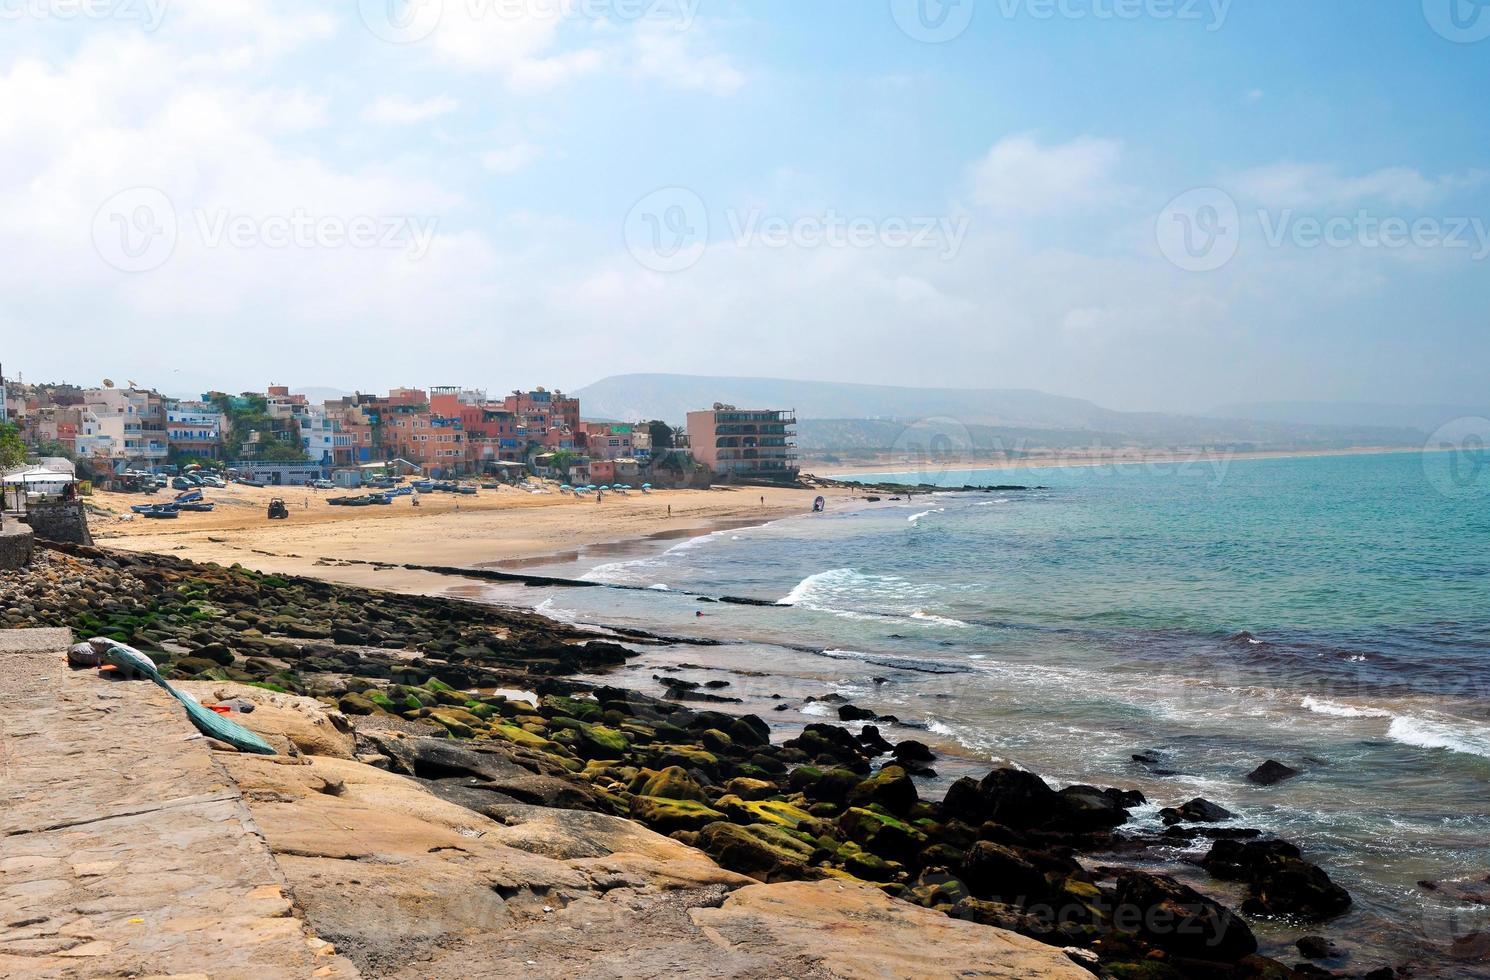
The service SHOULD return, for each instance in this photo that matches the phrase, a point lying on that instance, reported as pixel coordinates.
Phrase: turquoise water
(1332, 613)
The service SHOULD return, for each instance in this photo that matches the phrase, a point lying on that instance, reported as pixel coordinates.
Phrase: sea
(1331, 613)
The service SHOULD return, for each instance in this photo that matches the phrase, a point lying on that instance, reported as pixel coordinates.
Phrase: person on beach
(669, 510)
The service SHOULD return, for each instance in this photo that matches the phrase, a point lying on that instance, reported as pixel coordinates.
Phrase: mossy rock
(435, 685)
(666, 816)
(461, 724)
(382, 700)
(519, 736)
(356, 704)
(689, 757)
(763, 852)
(672, 783)
(891, 788)
(867, 866)
(576, 708)
(824, 786)
(716, 741)
(776, 812)
(599, 742)
(747, 788)
(481, 710)
(882, 834)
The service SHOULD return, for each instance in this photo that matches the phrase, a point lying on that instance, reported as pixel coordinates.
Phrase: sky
(1156, 204)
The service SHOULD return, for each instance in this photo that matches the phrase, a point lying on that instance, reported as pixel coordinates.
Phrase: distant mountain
(870, 417)
(1424, 418)
(673, 396)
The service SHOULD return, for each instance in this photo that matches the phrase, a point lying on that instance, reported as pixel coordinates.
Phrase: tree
(12, 449)
(662, 435)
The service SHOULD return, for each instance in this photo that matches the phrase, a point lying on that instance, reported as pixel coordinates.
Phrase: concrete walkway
(125, 850)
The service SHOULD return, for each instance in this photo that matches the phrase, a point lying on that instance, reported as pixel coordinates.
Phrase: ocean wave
(916, 517)
(1425, 733)
(927, 617)
(1335, 709)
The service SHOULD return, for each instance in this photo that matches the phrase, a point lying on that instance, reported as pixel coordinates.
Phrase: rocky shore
(478, 705)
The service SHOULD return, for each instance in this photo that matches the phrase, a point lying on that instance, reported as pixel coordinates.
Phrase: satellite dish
(107, 383)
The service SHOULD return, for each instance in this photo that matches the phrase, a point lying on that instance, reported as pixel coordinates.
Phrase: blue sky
(1152, 203)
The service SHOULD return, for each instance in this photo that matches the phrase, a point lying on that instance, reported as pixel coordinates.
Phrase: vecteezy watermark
(940, 21)
(1456, 458)
(409, 21)
(668, 230)
(932, 21)
(933, 447)
(147, 13)
(137, 230)
(1211, 13)
(943, 234)
(1200, 230)
(1460, 21)
(1366, 229)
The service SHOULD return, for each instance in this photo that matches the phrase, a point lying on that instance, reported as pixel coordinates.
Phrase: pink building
(745, 443)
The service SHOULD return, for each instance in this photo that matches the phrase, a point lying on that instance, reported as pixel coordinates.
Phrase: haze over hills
(836, 415)
(1425, 418)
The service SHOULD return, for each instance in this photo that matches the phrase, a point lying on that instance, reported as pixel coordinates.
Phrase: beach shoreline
(503, 530)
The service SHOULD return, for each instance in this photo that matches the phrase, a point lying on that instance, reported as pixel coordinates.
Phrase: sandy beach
(496, 528)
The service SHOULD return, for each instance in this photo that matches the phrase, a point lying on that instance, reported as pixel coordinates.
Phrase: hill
(837, 415)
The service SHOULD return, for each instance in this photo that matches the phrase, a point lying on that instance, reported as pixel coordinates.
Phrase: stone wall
(60, 521)
(16, 544)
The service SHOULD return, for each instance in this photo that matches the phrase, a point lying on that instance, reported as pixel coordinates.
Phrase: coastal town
(113, 436)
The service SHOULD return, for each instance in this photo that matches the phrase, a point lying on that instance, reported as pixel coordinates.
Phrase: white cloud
(510, 159)
(665, 53)
(1021, 176)
(1303, 185)
(396, 110)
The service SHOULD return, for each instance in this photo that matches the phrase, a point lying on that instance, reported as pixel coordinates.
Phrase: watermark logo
(1460, 21)
(1211, 13)
(831, 229)
(147, 13)
(668, 230)
(1200, 230)
(933, 448)
(932, 21)
(1456, 458)
(401, 21)
(135, 230)
(1369, 230)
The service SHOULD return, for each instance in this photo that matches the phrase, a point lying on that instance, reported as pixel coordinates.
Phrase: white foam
(1426, 733)
(1335, 709)
(926, 617)
(916, 517)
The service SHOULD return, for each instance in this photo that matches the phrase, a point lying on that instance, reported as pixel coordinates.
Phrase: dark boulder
(1271, 772)
(1088, 808)
(1197, 810)
(874, 742)
(912, 751)
(1316, 948)
(1280, 881)
(891, 788)
(993, 871)
(851, 712)
(1179, 920)
(1017, 798)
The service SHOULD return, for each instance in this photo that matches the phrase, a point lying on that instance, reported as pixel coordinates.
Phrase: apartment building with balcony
(735, 443)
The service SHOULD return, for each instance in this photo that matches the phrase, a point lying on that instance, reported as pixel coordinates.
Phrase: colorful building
(745, 443)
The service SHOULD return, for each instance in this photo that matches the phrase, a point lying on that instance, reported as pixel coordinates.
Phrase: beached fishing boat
(162, 513)
(200, 506)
